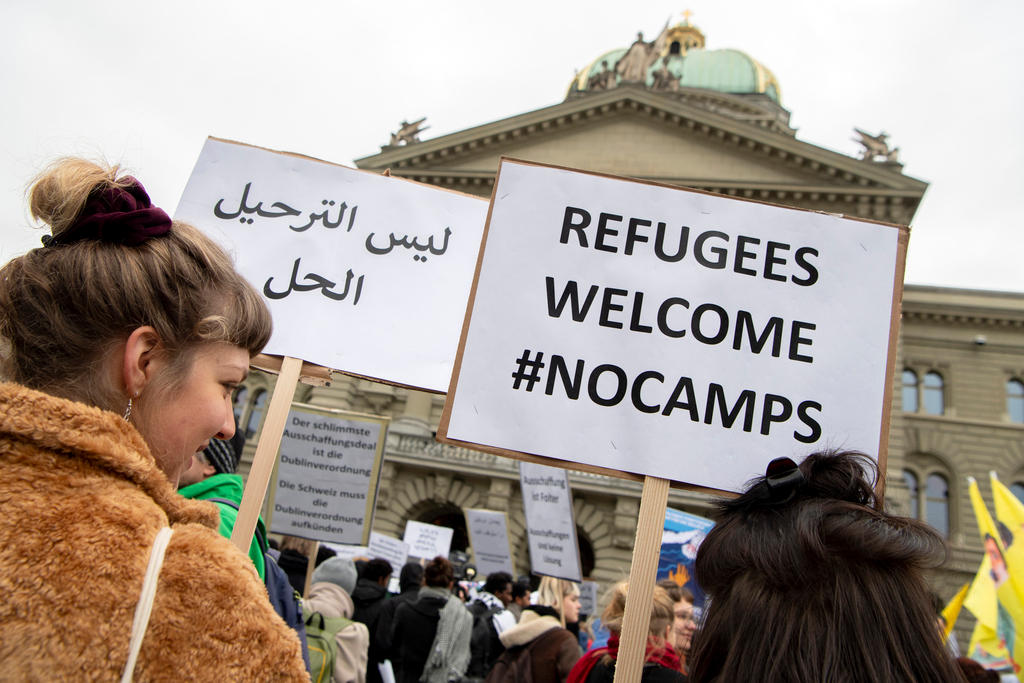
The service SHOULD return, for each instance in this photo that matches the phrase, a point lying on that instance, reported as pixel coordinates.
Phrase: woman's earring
(128, 410)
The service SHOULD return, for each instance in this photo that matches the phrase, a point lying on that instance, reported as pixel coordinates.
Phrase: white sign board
(327, 475)
(550, 523)
(335, 250)
(665, 332)
(488, 533)
(349, 552)
(588, 598)
(427, 541)
(391, 549)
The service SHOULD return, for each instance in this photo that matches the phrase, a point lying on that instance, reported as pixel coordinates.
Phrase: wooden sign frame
(654, 496)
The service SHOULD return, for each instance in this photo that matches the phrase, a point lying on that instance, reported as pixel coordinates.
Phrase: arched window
(934, 401)
(241, 398)
(586, 552)
(1015, 400)
(911, 480)
(1018, 490)
(910, 391)
(937, 502)
(259, 404)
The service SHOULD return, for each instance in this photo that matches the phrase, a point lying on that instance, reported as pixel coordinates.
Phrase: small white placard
(427, 541)
(327, 475)
(588, 598)
(352, 264)
(650, 329)
(550, 523)
(391, 549)
(488, 533)
(349, 552)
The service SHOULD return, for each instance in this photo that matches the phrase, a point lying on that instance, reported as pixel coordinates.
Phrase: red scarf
(657, 652)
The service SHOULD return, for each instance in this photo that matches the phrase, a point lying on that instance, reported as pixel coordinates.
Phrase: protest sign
(327, 475)
(588, 597)
(550, 523)
(391, 549)
(349, 552)
(339, 253)
(679, 543)
(648, 329)
(427, 541)
(488, 534)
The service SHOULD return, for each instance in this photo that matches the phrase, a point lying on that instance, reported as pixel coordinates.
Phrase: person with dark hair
(809, 579)
(540, 648)
(369, 598)
(974, 672)
(430, 637)
(410, 580)
(520, 598)
(490, 619)
(121, 342)
(212, 476)
(661, 663)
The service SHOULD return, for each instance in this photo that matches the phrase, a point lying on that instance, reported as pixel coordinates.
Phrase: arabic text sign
(327, 475)
(335, 250)
(665, 332)
(550, 524)
(427, 541)
(488, 532)
(391, 549)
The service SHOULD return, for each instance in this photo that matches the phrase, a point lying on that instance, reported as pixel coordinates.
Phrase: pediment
(638, 133)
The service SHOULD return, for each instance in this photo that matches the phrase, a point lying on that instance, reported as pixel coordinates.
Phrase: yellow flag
(951, 611)
(1009, 607)
(987, 649)
(1010, 513)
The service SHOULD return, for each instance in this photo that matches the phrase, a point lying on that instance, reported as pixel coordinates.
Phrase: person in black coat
(410, 579)
(369, 597)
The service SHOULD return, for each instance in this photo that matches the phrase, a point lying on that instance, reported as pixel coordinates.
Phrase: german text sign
(327, 475)
(650, 329)
(488, 533)
(341, 254)
(550, 523)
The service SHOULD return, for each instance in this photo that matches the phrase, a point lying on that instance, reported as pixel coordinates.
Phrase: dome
(677, 59)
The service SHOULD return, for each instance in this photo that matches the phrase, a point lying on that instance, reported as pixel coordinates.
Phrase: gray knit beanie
(339, 571)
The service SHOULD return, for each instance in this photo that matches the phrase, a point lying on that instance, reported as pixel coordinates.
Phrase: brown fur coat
(81, 500)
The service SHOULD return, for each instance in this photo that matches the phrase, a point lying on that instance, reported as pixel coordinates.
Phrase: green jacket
(228, 487)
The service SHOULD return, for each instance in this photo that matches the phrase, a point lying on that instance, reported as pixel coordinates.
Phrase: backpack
(515, 665)
(283, 598)
(484, 645)
(323, 648)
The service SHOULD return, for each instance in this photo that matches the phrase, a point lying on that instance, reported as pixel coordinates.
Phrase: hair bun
(57, 195)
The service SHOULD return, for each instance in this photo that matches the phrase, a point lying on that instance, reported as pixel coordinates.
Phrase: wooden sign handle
(310, 567)
(642, 573)
(266, 453)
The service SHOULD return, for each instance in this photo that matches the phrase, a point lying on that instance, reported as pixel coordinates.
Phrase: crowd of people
(121, 342)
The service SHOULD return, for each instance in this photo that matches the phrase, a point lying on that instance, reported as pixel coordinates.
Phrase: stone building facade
(677, 112)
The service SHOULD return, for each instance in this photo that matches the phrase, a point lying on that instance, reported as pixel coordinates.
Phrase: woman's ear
(140, 361)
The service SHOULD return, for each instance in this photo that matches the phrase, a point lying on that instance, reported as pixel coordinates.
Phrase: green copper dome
(677, 59)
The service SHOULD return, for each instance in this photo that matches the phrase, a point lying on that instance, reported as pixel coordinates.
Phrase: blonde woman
(539, 647)
(661, 663)
(121, 343)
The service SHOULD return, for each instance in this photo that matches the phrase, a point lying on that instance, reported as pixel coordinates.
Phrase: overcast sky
(144, 83)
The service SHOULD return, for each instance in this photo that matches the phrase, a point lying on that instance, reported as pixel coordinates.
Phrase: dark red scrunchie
(122, 215)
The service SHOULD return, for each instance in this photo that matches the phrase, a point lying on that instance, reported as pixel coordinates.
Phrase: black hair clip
(47, 240)
(782, 478)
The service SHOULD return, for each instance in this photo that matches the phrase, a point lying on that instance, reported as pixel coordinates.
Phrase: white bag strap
(145, 605)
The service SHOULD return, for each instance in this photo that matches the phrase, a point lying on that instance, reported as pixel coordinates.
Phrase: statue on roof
(632, 66)
(408, 133)
(876, 147)
(664, 79)
(603, 79)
